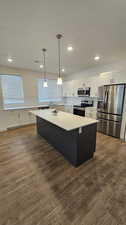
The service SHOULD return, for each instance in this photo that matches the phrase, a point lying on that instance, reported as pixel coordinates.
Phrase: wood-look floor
(39, 187)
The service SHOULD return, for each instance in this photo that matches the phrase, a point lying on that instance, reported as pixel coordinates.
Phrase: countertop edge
(77, 127)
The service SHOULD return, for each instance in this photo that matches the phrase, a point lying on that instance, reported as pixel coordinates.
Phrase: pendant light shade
(59, 80)
(45, 83)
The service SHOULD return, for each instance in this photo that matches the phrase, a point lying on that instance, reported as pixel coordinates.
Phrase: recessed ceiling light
(41, 66)
(10, 60)
(97, 58)
(63, 70)
(70, 48)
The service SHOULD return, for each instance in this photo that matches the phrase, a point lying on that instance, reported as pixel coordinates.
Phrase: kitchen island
(72, 135)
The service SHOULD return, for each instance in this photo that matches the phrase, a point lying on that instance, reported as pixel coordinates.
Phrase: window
(52, 93)
(12, 89)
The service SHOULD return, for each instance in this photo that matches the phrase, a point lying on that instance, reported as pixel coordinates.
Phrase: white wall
(29, 83)
(100, 75)
(1, 98)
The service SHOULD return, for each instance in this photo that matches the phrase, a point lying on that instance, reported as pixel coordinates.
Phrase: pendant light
(59, 80)
(45, 83)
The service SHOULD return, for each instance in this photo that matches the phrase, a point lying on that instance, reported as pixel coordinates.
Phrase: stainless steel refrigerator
(110, 108)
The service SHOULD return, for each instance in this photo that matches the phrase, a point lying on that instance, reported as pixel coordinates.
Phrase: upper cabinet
(67, 88)
(70, 88)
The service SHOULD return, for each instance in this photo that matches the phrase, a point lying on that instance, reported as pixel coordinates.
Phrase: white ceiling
(91, 26)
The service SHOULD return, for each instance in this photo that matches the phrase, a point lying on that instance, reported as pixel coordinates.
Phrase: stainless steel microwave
(83, 91)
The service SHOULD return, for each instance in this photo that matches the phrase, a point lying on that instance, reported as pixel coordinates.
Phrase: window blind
(12, 89)
(52, 93)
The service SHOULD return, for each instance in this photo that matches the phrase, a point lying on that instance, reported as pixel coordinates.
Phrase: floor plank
(39, 187)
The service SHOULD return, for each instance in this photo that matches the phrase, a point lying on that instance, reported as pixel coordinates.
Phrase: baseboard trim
(19, 126)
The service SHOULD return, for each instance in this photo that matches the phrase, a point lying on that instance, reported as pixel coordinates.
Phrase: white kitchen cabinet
(65, 89)
(24, 117)
(75, 88)
(3, 121)
(68, 108)
(91, 112)
(32, 118)
(15, 118)
(77, 84)
(11, 118)
(68, 89)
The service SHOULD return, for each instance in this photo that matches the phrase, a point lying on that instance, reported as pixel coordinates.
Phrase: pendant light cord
(59, 36)
(44, 63)
(59, 56)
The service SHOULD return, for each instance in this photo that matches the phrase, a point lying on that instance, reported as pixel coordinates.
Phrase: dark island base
(76, 147)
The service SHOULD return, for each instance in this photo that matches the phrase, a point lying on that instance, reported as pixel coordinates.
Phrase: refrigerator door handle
(107, 96)
(105, 99)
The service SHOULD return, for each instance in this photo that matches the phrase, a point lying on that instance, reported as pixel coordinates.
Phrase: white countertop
(64, 120)
(25, 107)
(30, 106)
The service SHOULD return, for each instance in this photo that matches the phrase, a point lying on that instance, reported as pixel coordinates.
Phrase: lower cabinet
(15, 118)
(11, 118)
(25, 117)
(68, 108)
(91, 112)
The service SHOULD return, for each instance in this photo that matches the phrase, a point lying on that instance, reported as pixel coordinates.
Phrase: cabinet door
(87, 114)
(94, 115)
(77, 84)
(12, 118)
(26, 117)
(91, 112)
(65, 89)
(68, 89)
(32, 118)
(3, 120)
(68, 108)
(23, 117)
